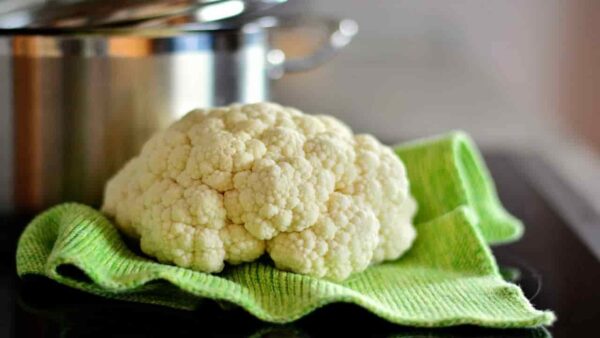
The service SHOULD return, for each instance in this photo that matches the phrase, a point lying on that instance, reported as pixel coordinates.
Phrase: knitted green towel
(448, 278)
(447, 172)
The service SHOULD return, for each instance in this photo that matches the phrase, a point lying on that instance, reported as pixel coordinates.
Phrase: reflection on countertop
(47, 309)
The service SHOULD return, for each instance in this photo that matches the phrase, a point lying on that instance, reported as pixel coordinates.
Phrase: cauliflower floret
(382, 182)
(277, 197)
(225, 184)
(341, 242)
(240, 246)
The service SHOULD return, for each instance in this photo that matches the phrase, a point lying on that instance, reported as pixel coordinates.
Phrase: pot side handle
(340, 33)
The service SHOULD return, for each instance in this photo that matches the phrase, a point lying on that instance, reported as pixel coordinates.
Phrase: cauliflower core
(227, 184)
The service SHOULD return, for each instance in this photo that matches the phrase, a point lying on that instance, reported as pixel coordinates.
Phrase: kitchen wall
(422, 67)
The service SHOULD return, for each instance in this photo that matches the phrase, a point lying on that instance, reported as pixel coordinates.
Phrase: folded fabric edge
(498, 225)
(35, 263)
(470, 217)
(481, 190)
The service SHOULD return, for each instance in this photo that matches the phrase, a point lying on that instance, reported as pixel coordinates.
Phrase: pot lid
(67, 15)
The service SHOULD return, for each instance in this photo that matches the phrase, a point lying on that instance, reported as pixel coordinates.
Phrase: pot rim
(225, 26)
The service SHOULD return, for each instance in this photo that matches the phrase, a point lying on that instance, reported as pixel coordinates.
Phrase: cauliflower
(231, 183)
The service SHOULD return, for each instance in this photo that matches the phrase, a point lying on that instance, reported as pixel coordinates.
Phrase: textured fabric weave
(449, 277)
(447, 172)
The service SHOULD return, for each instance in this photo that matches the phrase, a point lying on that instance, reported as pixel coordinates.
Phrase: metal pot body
(75, 108)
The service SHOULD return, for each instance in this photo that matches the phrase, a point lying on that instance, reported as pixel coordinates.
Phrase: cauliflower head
(231, 183)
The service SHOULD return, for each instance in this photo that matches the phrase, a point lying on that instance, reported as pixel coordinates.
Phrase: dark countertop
(554, 268)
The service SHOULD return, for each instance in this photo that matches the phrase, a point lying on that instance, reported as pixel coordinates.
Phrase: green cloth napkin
(449, 277)
(447, 172)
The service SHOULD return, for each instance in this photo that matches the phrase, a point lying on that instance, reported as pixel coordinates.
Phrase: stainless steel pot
(76, 103)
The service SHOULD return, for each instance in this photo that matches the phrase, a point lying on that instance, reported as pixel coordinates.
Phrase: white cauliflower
(227, 184)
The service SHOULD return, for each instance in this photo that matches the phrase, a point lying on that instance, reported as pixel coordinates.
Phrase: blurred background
(517, 75)
(521, 76)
